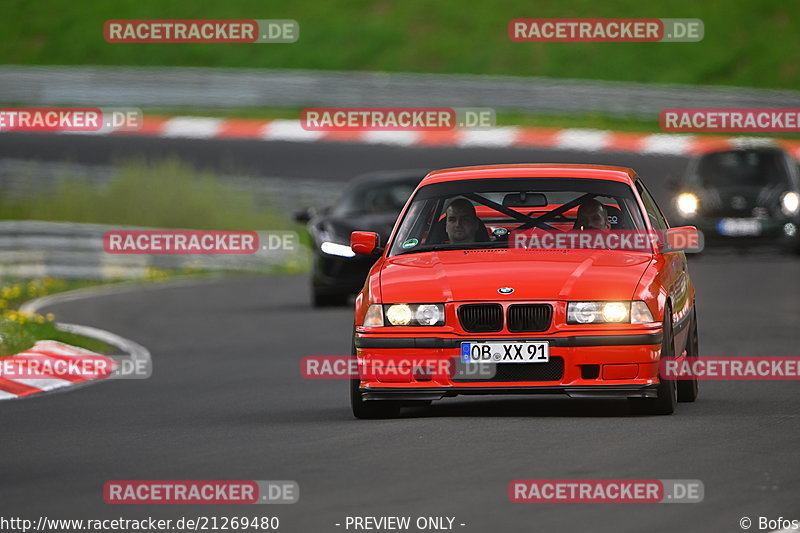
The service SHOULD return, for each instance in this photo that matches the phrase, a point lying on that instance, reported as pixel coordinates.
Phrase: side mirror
(683, 239)
(365, 243)
(303, 215)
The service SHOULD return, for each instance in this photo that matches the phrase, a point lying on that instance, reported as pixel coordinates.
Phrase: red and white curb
(500, 137)
(49, 353)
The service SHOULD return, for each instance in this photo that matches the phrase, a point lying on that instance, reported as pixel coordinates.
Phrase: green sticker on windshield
(410, 243)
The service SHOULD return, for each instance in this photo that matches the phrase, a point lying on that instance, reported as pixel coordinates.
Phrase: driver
(592, 215)
(462, 221)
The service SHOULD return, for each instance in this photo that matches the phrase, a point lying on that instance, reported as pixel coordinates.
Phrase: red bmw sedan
(525, 279)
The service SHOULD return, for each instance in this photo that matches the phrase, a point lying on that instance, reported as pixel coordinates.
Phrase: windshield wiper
(445, 247)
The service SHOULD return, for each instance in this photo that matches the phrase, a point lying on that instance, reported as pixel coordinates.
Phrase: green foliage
(747, 42)
(166, 194)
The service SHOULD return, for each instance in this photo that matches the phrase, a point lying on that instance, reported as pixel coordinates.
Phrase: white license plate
(505, 352)
(739, 227)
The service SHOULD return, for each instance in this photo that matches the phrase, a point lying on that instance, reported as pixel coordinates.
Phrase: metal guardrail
(75, 251)
(31, 249)
(224, 88)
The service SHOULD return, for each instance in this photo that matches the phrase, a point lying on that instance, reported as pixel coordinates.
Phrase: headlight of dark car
(330, 245)
(790, 203)
(687, 204)
(334, 248)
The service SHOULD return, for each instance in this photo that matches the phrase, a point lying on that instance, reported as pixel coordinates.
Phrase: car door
(675, 275)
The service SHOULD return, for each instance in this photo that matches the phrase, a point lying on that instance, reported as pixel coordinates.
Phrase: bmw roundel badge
(505, 290)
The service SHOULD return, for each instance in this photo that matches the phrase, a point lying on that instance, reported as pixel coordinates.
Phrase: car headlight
(334, 248)
(399, 315)
(429, 314)
(413, 314)
(608, 313)
(687, 204)
(790, 203)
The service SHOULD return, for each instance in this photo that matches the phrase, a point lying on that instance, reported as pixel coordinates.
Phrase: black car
(370, 202)
(746, 196)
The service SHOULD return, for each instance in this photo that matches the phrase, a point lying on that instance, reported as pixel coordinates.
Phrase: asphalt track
(226, 399)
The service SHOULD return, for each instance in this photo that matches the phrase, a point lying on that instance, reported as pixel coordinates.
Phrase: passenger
(592, 215)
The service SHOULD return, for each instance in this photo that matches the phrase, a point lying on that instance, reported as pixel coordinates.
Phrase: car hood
(460, 275)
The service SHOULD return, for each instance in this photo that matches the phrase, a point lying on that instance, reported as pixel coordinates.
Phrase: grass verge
(19, 331)
(746, 42)
(160, 194)
(20, 334)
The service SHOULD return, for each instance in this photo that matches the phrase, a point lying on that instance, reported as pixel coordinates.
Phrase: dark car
(370, 202)
(747, 196)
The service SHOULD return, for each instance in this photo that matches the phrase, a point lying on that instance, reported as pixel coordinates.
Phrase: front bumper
(573, 391)
(581, 366)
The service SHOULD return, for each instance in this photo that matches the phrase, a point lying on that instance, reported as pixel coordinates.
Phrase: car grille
(481, 318)
(484, 318)
(529, 317)
(553, 370)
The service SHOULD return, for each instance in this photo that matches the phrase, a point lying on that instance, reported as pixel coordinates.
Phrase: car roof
(532, 170)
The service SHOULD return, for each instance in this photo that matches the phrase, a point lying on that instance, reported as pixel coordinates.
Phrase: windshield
(378, 197)
(741, 168)
(470, 214)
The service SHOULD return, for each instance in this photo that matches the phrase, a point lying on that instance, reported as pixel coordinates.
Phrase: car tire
(320, 299)
(688, 388)
(667, 398)
(373, 409)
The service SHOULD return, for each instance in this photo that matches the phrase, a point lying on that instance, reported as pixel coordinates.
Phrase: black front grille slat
(529, 317)
(553, 370)
(481, 318)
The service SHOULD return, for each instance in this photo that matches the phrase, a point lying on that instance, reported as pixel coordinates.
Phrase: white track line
(193, 127)
(496, 137)
(289, 130)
